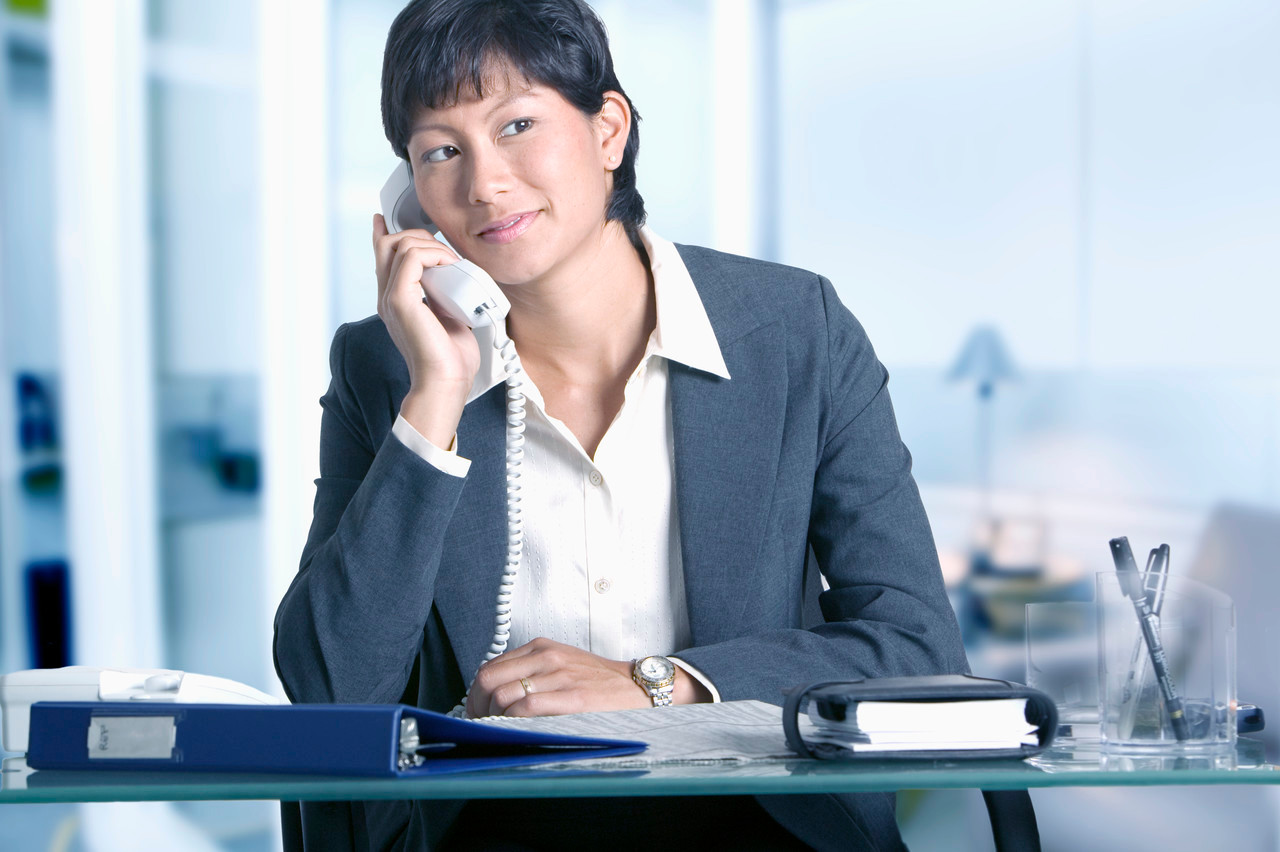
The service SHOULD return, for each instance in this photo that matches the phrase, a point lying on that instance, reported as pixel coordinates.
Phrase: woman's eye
(520, 125)
(439, 155)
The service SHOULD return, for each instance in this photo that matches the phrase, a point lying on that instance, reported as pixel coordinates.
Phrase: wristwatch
(656, 676)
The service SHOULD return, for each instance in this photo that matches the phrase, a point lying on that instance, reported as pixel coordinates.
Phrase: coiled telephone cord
(515, 523)
(514, 457)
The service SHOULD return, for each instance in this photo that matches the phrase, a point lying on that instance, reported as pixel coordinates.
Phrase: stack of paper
(736, 732)
(928, 725)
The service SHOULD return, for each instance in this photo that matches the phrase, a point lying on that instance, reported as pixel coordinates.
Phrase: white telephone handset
(469, 295)
(462, 290)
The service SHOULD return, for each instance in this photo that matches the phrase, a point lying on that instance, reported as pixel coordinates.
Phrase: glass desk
(1055, 768)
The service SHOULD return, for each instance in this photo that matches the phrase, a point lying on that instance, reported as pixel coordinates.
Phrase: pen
(1131, 583)
(1136, 669)
(1154, 581)
(1157, 578)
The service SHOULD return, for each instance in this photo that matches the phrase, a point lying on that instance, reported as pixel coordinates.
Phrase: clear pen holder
(1196, 633)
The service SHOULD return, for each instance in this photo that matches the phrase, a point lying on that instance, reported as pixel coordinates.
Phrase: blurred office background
(1059, 222)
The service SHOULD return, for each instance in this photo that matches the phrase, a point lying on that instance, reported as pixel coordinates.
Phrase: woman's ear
(613, 125)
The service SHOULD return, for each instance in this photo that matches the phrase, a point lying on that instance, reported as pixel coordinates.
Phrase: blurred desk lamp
(985, 361)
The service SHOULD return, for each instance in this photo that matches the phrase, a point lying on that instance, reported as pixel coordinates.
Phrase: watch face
(656, 668)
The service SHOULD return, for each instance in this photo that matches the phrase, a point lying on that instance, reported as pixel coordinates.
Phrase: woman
(702, 430)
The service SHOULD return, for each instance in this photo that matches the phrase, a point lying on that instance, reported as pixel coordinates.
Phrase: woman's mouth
(506, 230)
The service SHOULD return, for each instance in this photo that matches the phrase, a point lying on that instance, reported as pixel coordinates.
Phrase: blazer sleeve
(886, 610)
(351, 624)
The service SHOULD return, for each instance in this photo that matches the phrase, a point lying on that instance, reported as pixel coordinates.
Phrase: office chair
(1013, 820)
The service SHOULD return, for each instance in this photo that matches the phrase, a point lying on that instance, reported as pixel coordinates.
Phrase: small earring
(612, 158)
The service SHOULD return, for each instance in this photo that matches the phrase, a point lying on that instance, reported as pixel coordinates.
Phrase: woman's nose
(490, 177)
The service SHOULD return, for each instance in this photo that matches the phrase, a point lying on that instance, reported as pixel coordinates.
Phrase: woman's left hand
(560, 679)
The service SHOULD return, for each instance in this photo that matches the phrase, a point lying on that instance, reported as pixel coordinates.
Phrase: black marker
(1132, 585)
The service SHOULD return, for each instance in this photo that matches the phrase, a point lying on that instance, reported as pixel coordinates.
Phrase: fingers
(383, 251)
(388, 246)
(498, 682)
(544, 678)
(402, 258)
(401, 291)
(532, 695)
(524, 650)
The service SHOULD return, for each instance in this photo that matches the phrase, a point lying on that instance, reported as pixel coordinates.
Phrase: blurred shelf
(209, 447)
(25, 35)
(193, 494)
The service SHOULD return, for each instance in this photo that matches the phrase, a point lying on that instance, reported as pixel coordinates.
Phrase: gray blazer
(794, 462)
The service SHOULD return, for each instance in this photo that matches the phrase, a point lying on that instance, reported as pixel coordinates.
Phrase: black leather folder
(837, 700)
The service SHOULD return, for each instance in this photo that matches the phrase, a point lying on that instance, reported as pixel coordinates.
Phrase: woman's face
(518, 181)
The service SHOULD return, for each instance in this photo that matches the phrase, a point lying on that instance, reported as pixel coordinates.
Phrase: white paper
(728, 732)
(998, 714)
(930, 725)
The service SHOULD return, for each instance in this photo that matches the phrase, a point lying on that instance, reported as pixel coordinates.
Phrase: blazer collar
(683, 333)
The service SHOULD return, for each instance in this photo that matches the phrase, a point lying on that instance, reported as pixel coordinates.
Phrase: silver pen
(1154, 580)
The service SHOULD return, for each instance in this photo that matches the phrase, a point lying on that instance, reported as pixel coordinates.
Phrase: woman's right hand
(441, 353)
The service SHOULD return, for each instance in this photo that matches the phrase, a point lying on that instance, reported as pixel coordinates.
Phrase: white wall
(1186, 184)
(662, 53)
(973, 157)
(205, 231)
(929, 167)
(1096, 179)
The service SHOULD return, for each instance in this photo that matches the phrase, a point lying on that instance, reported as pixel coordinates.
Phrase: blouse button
(595, 477)
(603, 585)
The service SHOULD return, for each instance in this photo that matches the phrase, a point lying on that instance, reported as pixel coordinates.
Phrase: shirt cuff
(442, 460)
(699, 677)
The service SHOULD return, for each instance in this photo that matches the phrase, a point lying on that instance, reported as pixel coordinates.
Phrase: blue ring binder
(324, 739)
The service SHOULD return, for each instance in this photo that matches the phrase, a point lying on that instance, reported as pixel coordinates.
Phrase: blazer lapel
(476, 544)
(728, 435)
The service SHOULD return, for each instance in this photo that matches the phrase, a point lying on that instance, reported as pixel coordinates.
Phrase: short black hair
(439, 49)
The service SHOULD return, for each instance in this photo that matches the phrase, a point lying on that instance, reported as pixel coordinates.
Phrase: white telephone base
(19, 690)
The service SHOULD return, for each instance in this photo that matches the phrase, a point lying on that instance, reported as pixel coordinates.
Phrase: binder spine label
(132, 737)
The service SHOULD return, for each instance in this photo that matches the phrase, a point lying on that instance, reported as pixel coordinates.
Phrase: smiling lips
(506, 230)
